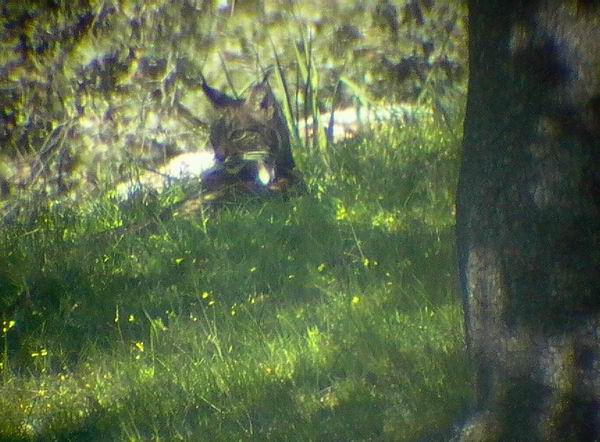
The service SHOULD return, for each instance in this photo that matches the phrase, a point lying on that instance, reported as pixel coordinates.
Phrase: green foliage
(327, 316)
(331, 315)
(90, 88)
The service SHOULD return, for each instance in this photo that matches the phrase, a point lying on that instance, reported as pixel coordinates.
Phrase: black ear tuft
(218, 98)
(261, 99)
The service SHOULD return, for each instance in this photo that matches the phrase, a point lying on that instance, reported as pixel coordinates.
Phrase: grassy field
(329, 316)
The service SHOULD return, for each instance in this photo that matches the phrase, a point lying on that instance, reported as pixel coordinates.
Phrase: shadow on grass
(329, 316)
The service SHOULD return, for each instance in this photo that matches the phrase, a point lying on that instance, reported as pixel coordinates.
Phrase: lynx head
(250, 127)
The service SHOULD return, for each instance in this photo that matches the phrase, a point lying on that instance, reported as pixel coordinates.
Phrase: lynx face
(250, 136)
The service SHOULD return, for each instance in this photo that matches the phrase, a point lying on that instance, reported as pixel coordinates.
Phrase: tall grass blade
(287, 103)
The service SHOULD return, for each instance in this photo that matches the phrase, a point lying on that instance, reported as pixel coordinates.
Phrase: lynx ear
(261, 100)
(218, 98)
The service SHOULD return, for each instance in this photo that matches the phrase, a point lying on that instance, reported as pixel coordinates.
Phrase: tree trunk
(528, 219)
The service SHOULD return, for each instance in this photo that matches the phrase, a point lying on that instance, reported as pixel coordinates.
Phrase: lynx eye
(237, 135)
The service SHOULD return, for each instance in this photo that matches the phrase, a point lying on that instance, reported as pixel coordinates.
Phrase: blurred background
(91, 90)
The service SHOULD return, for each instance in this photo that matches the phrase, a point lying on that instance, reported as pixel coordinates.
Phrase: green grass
(328, 316)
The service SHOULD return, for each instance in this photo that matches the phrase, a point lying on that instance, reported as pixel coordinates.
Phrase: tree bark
(528, 219)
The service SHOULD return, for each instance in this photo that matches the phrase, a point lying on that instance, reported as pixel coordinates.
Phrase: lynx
(251, 141)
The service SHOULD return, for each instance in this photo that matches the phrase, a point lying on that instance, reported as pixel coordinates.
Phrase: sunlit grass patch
(332, 315)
